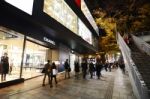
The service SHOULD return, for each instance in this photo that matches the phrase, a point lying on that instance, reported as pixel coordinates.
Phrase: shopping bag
(54, 71)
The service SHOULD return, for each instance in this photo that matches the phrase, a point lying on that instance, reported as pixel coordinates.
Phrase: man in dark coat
(76, 69)
(67, 69)
(84, 68)
(91, 69)
(47, 72)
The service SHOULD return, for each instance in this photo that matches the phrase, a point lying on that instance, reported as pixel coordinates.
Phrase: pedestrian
(84, 68)
(67, 69)
(4, 66)
(47, 70)
(53, 74)
(76, 69)
(91, 68)
(122, 66)
(98, 68)
(106, 65)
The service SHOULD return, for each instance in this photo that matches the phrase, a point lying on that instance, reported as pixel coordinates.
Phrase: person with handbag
(47, 70)
(53, 74)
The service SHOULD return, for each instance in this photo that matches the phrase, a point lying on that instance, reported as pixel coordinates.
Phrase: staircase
(142, 61)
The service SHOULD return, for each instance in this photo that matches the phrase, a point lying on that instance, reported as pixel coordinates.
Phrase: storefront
(26, 56)
(36, 39)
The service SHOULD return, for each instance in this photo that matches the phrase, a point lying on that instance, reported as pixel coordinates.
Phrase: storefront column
(24, 44)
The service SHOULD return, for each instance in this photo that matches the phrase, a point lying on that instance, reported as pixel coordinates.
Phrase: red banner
(78, 2)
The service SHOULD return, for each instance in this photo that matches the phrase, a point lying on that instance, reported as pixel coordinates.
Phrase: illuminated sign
(88, 15)
(49, 41)
(84, 32)
(24, 5)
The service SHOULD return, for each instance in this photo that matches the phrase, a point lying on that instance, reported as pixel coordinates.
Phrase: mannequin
(5, 66)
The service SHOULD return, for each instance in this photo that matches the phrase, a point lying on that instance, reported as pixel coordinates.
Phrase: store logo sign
(49, 41)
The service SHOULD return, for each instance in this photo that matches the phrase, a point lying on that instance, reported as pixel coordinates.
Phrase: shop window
(34, 59)
(11, 43)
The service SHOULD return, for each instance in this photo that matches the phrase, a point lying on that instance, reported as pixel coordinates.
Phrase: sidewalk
(113, 85)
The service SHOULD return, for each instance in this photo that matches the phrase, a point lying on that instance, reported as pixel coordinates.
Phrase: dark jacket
(66, 65)
(91, 67)
(47, 68)
(76, 64)
(99, 66)
(84, 66)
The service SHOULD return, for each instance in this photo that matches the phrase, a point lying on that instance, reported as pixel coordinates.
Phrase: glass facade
(34, 59)
(12, 44)
(61, 12)
(35, 56)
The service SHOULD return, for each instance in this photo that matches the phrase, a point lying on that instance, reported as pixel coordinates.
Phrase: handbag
(43, 70)
(69, 69)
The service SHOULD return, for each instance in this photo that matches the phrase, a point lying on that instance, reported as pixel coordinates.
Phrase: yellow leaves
(106, 23)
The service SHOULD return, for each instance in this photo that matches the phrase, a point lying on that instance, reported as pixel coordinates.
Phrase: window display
(61, 12)
(34, 59)
(11, 43)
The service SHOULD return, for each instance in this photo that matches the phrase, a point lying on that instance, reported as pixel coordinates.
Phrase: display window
(11, 47)
(35, 57)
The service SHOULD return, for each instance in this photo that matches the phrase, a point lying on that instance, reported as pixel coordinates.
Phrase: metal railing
(142, 33)
(141, 44)
(139, 88)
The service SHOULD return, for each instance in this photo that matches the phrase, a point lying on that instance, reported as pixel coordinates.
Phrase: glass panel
(11, 43)
(34, 59)
(84, 32)
(61, 12)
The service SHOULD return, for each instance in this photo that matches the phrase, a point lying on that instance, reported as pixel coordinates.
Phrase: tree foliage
(124, 16)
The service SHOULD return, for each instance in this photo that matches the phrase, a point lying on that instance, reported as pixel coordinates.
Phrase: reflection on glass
(34, 59)
(61, 12)
(11, 43)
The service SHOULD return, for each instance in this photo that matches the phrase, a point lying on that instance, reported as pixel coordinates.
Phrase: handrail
(141, 44)
(139, 88)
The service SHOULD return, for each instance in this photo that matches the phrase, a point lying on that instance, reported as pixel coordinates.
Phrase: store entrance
(35, 57)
